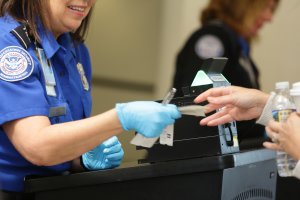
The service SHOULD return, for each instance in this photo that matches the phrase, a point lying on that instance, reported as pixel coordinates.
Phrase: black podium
(239, 176)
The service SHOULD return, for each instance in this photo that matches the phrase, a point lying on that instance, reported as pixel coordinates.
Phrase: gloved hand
(107, 155)
(148, 118)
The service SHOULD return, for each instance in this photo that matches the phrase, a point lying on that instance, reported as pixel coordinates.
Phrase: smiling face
(67, 15)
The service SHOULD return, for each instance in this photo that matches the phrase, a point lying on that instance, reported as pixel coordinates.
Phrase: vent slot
(254, 193)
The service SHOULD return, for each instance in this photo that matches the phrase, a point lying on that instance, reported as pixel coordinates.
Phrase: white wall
(278, 50)
(178, 20)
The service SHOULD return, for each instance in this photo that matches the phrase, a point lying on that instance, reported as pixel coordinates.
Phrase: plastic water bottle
(282, 107)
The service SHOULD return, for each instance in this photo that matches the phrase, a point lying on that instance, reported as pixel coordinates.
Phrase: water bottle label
(282, 115)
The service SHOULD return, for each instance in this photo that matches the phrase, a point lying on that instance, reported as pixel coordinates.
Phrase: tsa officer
(45, 107)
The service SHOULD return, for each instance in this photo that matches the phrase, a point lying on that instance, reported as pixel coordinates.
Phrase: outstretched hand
(233, 104)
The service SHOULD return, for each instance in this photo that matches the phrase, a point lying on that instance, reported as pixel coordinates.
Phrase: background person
(45, 85)
(228, 29)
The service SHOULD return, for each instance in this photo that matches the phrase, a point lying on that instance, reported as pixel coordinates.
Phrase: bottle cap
(295, 91)
(282, 85)
(296, 85)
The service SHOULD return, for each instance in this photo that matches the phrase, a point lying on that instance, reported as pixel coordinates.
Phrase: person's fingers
(211, 92)
(272, 135)
(210, 118)
(111, 141)
(113, 149)
(268, 131)
(221, 100)
(222, 120)
(115, 156)
(211, 107)
(274, 138)
(218, 118)
(273, 124)
(272, 146)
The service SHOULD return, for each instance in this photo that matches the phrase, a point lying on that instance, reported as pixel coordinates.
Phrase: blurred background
(134, 44)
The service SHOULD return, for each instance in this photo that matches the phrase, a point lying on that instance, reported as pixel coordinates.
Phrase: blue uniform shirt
(24, 94)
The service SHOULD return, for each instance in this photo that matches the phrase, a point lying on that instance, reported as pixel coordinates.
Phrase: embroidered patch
(15, 64)
(209, 46)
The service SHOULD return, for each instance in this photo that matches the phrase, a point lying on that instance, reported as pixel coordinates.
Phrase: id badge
(84, 80)
(47, 68)
(48, 73)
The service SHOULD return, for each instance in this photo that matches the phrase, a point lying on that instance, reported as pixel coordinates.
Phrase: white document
(140, 140)
(195, 110)
(167, 136)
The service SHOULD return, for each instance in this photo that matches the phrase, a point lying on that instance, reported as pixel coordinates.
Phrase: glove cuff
(119, 109)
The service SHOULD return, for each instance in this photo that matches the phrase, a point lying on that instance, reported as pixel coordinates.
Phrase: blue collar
(67, 43)
(47, 41)
(10, 22)
(51, 45)
(244, 45)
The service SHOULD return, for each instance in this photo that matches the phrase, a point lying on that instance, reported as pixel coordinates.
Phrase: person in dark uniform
(228, 27)
(45, 107)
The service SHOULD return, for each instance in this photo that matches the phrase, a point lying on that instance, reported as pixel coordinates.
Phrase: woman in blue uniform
(45, 76)
(228, 27)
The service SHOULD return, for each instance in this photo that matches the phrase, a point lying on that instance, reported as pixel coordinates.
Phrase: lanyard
(50, 82)
(47, 71)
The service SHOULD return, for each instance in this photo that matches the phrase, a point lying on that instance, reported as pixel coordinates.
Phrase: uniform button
(62, 73)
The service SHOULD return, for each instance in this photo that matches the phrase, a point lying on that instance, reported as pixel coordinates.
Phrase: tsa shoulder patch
(209, 46)
(15, 64)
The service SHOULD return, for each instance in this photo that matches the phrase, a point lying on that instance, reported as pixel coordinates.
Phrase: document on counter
(140, 140)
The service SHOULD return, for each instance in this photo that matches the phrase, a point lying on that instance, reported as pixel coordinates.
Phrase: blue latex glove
(148, 118)
(107, 155)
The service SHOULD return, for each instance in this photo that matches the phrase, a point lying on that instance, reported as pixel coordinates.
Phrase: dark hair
(235, 13)
(28, 11)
